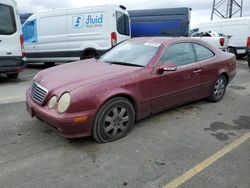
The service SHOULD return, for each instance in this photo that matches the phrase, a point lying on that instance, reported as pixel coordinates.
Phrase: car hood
(73, 75)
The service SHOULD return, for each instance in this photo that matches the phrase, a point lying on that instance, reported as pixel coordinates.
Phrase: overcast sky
(201, 9)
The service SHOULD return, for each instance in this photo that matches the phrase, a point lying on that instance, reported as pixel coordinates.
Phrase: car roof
(165, 40)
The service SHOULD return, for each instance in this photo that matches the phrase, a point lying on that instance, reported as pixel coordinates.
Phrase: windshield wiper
(124, 63)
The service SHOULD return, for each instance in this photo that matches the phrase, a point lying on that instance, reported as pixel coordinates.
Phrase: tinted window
(180, 54)
(203, 52)
(7, 20)
(122, 22)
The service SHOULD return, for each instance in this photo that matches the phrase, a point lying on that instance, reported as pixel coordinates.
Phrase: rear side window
(7, 20)
(122, 23)
(180, 54)
(202, 52)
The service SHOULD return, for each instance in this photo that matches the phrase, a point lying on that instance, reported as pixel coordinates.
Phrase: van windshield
(7, 20)
(131, 53)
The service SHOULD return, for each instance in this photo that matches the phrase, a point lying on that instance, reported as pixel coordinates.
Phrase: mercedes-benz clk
(137, 78)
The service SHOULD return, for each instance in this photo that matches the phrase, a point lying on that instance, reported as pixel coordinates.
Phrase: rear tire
(13, 75)
(114, 120)
(219, 89)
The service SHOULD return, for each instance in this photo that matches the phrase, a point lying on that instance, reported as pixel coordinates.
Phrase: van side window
(202, 52)
(122, 22)
(180, 54)
(30, 31)
(7, 20)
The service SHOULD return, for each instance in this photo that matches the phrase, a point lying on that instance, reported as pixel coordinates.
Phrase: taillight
(222, 41)
(113, 38)
(248, 42)
(22, 45)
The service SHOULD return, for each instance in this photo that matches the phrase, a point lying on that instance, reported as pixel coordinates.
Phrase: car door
(172, 88)
(9, 33)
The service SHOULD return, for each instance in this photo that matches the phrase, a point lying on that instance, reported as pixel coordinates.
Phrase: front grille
(38, 93)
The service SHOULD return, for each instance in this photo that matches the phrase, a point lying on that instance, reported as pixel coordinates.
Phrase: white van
(73, 34)
(238, 28)
(11, 39)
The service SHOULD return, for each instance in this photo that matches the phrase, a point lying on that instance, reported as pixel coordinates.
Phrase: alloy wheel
(116, 121)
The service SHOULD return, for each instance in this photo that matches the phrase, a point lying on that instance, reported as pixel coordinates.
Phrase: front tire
(219, 89)
(114, 120)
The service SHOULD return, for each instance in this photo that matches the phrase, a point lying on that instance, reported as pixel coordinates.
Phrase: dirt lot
(159, 149)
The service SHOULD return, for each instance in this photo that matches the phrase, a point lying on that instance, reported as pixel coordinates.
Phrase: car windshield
(131, 53)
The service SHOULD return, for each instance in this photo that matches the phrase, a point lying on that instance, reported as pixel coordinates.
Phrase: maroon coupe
(139, 77)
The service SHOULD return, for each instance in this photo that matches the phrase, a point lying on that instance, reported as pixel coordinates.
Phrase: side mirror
(166, 67)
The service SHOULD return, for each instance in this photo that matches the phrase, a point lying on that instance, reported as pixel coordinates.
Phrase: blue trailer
(160, 22)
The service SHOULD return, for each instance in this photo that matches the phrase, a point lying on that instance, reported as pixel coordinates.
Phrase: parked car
(238, 28)
(139, 77)
(72, 34)
(160, 22)
(218, 40)
(11, 40)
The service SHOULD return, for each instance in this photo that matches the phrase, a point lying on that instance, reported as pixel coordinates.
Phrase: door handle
(197, 71)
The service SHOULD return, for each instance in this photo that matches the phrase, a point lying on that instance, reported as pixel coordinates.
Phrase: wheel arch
(224, 73)
(127, 96)
(87, 50)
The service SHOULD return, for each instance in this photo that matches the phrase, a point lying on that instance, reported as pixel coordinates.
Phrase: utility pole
(227, 8)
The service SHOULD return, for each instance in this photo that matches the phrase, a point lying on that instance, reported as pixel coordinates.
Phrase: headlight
(52, 102)
(63, 103)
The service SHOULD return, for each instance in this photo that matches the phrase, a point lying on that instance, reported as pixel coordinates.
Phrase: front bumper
(64, 124)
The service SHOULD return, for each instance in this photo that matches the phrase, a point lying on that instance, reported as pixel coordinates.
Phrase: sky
(201, 9)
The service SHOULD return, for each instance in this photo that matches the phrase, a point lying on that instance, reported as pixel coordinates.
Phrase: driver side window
(179, 54)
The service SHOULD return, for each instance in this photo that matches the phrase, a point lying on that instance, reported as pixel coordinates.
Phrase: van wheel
(89, 55)
(49, 64)
(114, 120)
(13, 75)
(233, 51)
